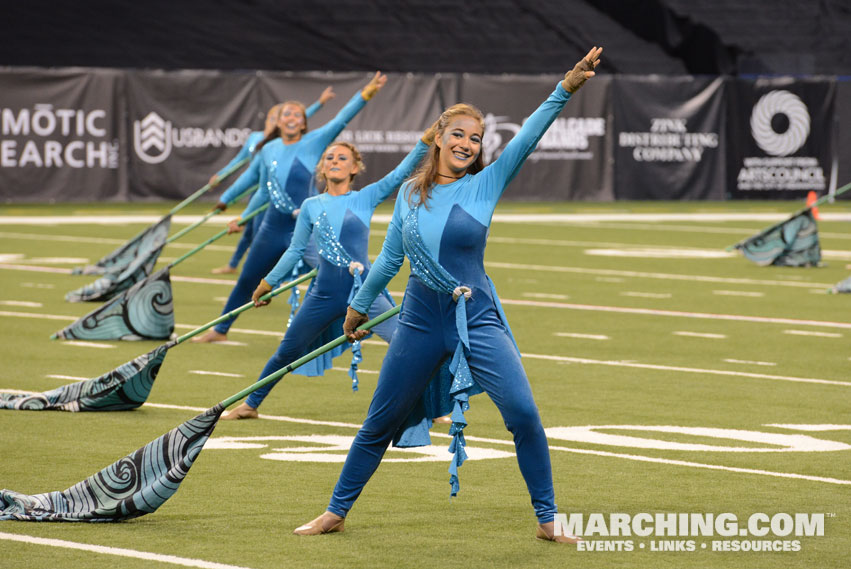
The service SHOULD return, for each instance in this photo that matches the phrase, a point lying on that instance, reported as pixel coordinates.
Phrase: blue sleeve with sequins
(497, 175)
(245, 181)
(387, 264)
(379, 191)
(284, 267)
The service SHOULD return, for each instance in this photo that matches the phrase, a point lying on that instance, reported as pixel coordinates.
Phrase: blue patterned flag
(142, 312)
(133, 486)
(125, 387)
(113, 283)
(141, 245)
(793, 243)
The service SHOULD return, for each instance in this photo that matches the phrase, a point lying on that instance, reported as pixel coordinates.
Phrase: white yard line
(86, 344)
(811, 333)
(606, 454)
(581, 336)
(117, 551)
(699, 335)
(749, 362)
(217, 373)
(738, 293)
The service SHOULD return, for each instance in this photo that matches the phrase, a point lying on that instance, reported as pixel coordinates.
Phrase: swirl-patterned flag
(136, 485)
(793, 243)
(143, 312)
(112, 284)
(141, 245)
(125, 387)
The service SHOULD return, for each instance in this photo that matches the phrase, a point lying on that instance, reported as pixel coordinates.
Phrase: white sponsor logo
(56, 138)
(668, 140)
(780, 170)
(565, 139)
(764, 112)
(154, 138)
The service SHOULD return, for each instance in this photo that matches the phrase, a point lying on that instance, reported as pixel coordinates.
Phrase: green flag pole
(219, 235)
(207, 187)
(189, 228)
(246, 306)
(304, 359)
(816, 203)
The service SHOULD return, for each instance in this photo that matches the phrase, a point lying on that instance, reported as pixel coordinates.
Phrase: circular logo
(778, 105)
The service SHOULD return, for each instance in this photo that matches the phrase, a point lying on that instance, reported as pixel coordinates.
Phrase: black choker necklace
(452, 177)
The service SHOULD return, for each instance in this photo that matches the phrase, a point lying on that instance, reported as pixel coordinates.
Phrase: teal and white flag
(112, 284)
(145, 311)
(133, 486)
(125, 387)
(842, 286)
(793, 243)
(140, 246)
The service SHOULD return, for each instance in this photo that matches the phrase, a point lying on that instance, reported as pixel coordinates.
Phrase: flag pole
(306, 358)
(246, 306)
(207, 187)
(189, 228)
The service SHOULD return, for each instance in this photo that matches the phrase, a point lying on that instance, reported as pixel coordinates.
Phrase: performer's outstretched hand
(582, 71)
(374, 86)
(262, 288)
(353, 320)
(327, 95)
(428, 135)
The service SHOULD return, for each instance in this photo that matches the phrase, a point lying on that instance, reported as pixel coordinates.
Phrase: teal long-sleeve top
(361, 204)
(469, 202)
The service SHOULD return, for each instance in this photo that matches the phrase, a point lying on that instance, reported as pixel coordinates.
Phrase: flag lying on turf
(143, 312)
(114, 283)
(136, 485)
(125, 387)
(793, 243)
(842, 286)
(139, 246)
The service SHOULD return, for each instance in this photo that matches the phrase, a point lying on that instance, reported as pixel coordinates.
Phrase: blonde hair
(356, 155)
(424, 178)
(276, 132)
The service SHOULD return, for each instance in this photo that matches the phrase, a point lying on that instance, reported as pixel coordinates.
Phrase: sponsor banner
(60, 136)
(571, 161)
(668, 138)
(184, 126)
(387, 128)
(783, 137)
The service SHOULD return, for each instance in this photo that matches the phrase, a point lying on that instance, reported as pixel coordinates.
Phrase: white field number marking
(773, 442)
(323, 447)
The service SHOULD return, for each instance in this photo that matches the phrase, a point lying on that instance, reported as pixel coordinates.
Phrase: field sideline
(671, 376)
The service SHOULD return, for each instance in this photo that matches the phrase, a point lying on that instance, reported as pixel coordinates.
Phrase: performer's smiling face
(339, 164)
(291, 121)
(460, 144)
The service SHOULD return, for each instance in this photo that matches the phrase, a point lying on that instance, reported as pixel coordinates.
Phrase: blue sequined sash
(278, 195)
(434, 276)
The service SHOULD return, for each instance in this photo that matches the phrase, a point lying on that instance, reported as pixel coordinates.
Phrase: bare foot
(209, 336)
(326, 523)
(546, 532)
(226, 270)
(241, 411)
(445, 420)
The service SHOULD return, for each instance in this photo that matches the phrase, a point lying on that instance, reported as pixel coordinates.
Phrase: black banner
(184, 126)
(60, 135)
(782, 139)
(668, 137)
(571, 161)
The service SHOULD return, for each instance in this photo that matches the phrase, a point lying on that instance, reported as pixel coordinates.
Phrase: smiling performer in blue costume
(450, 312)
(289, 161)
(339, 221)
(247, 151)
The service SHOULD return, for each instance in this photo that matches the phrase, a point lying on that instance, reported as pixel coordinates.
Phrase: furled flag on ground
(842, 286)
(141, 245)
(793, 243)
(125, 387)
(114, 283)
(136, 485)
(143, 312)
